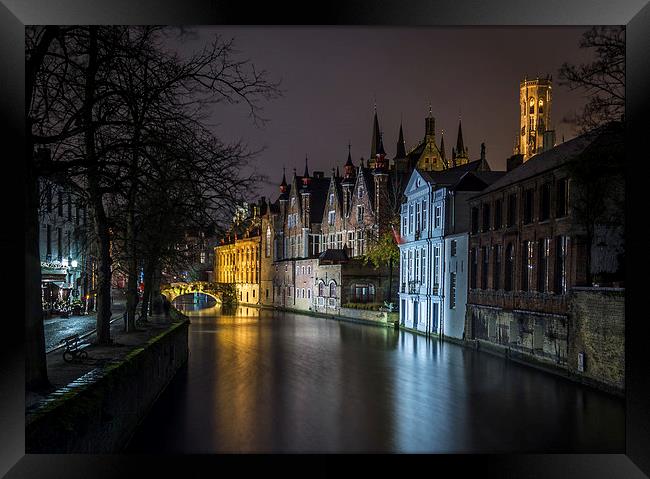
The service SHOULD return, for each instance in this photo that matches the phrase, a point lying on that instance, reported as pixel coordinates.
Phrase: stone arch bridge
(174, 290)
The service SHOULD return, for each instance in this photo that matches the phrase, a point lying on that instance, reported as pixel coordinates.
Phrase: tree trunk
(102, 230)
(35, 361)
(132, 278)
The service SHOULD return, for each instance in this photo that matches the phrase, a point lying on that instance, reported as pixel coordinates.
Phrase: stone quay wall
(587, 344)
(102, 412)
(597, 328)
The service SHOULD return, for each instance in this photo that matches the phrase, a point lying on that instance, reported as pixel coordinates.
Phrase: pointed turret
(460, 146)
(401, 147)
(380, 158)
(349, 168)
(305, 178)
(376, 136)
(484, 165)
(443, 156)
(430, 124)
(283, 185)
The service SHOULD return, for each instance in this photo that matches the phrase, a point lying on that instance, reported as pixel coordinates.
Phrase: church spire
(460, 146)
(442, 147)
(401, 148)
(376, 137)
(306, 175)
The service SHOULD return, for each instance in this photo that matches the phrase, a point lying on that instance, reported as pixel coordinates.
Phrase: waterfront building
(239, 256)
(534, 245)
(434, 230)
(66, 262)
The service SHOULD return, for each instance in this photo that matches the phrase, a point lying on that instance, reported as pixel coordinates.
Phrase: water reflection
(264, 381)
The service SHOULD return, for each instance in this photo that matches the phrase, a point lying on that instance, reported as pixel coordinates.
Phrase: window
(331, 218)
(452, 290)
(562, 199)
(360, 192)
(437, 217)
(411, 219)
(424, 266)
(510, 266)
(545, 202)
(452, 248)
(543, 254)
(418, 217)
(424, 214)
(496, 270)
(359, 212)
(202, 257)
(475, 220)
(362, 292)
(531, 106)
(321, 289)
(331, 199)
(486, 216)
(308, 269)
(512, 209)
(528, 206)
(267, 246)
(436, 267)
(498, 206)
(484, 267)
(404, 225)
(527, 254)
(474, 266)
(417, 264)
(309, 294)
(540, 108)
(332, 290)
(561, 243)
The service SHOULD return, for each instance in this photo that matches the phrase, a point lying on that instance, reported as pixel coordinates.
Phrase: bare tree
(107, 102)
(602, 80)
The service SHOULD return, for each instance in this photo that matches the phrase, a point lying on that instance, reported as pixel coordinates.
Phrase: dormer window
(331, 199)
(360, 192)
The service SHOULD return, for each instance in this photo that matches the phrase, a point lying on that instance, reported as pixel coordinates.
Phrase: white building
(433, 253)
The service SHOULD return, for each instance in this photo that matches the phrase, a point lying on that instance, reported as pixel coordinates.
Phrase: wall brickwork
(597, 329)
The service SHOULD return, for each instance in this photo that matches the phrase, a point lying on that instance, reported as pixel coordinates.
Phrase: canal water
(268, 381)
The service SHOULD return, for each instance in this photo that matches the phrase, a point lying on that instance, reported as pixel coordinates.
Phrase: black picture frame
(635, 14)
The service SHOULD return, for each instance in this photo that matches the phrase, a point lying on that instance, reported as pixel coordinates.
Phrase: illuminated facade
(535, 134)
(66, 266)
(238, 257)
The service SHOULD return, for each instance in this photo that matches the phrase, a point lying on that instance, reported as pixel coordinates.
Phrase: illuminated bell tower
(535, 97)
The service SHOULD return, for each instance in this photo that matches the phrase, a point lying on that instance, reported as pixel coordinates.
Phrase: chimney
(514, 161)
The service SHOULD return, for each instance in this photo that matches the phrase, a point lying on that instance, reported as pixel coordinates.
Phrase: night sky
(332, 77)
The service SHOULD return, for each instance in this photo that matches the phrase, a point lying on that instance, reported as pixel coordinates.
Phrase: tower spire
(375, 136)
(306, 175)
(401, 148)
(460, 146)
(443, 156)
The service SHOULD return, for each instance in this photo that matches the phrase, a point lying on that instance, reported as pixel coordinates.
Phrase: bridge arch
(174, 290)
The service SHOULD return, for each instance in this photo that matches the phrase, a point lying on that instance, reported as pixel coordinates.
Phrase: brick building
(529, 247)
